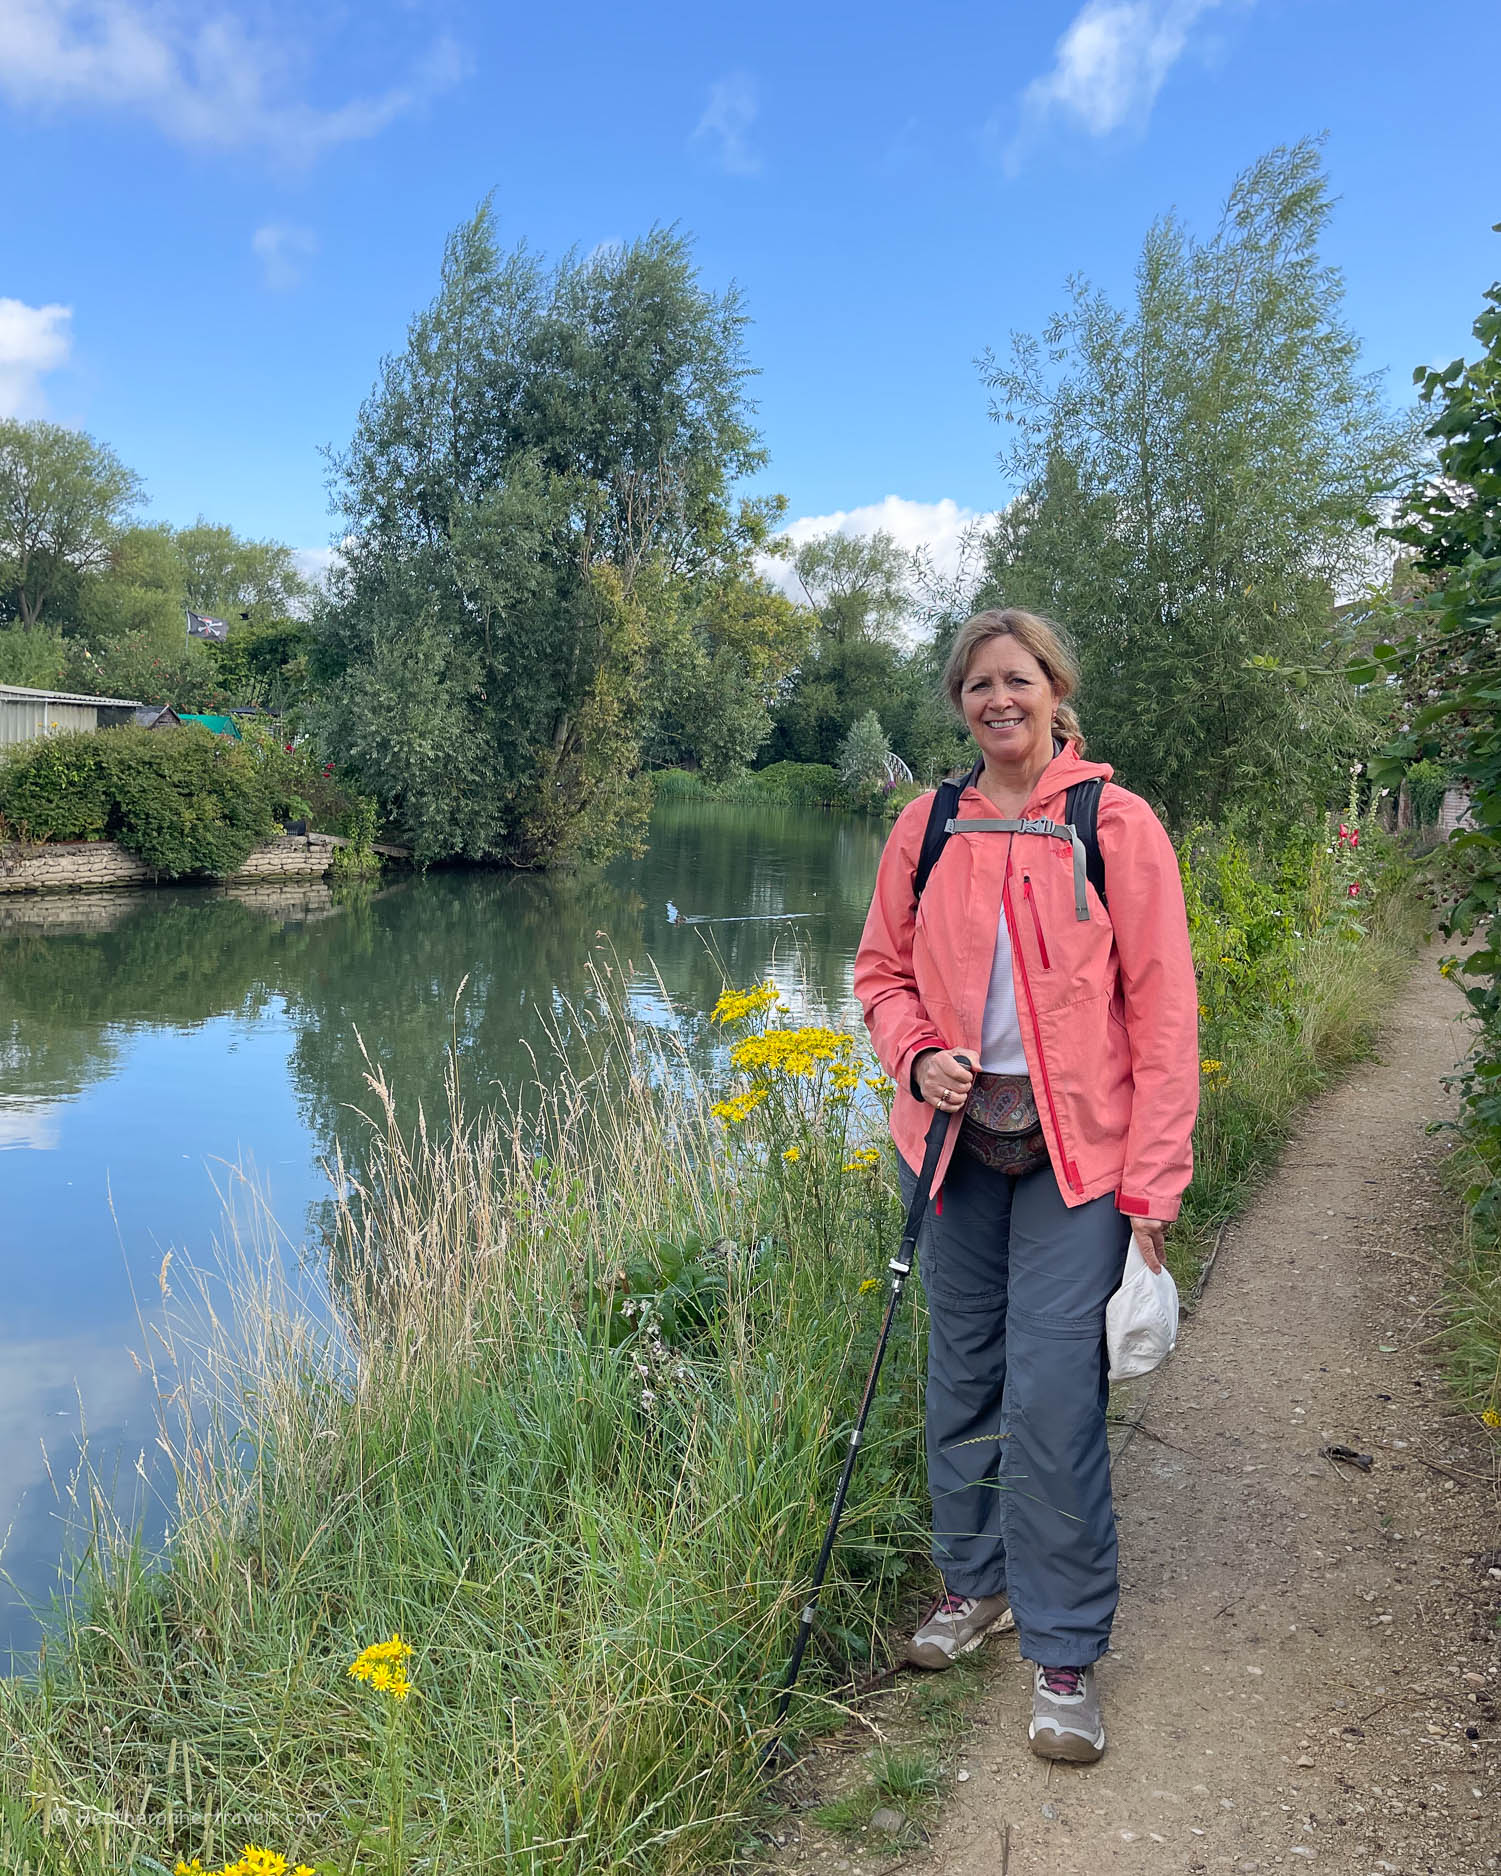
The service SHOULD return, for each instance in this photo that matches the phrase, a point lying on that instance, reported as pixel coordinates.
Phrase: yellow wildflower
(254, 1861)
(870, 1283)
(880, 1084)
(1210, 1066)
(843, 1078)
(737, 1107)
(195, 1868)
(1490, 1418)
(735, 1005)
(383, 1666)
(793, 1155)
(862, 1159)
(798, 1052)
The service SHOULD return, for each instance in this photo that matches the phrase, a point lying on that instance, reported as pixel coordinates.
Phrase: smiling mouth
(1003, 723)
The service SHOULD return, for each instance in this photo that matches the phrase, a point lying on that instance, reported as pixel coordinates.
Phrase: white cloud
(316, 563)
(33, 340)
(281, 250)
(207, 81)
(938, 527)
(1107, 70)
(727, 120)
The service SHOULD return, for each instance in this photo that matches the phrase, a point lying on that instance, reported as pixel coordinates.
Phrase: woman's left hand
(1149, 1234)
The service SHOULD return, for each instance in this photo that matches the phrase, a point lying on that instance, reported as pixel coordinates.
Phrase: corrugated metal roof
(17, 693)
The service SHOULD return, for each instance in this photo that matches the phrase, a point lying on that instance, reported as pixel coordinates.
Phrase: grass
(1473, 1301)
(564, 1411)
(1294, 990)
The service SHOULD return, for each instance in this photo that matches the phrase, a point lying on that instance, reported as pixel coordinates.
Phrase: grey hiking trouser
(1018, 1465)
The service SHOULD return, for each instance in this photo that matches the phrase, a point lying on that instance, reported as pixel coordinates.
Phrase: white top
(1001, 1051)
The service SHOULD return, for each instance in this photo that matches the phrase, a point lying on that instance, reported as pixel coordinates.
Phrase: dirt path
(1307, 1665)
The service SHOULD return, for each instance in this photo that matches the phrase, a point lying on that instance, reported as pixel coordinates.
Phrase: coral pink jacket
(1108, 1006)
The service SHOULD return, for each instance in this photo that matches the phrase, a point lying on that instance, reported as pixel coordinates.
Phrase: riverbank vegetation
(190, 803)
(564, 1415)
(1443, 654)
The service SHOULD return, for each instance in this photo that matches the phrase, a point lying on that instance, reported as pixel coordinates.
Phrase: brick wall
(90, 866)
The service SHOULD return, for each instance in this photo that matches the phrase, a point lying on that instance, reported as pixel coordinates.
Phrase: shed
(27, 714)
(157, 717)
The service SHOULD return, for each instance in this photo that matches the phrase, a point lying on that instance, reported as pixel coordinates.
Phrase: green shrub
(805, 784)
(188, 803)
(1427, 783)
(55, 789)
(677, 784)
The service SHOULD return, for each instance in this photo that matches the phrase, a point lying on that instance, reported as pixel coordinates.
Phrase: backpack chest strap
(1056, 830)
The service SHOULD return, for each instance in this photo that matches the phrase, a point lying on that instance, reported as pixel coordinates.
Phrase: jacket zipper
(1070, 1171)
(1042, 943)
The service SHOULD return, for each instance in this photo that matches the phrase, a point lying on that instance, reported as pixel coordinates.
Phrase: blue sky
(217, 219)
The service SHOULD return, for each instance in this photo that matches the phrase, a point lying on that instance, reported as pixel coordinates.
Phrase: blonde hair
(1036, 635)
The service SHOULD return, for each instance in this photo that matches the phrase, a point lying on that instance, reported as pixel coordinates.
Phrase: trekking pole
(901, 1268)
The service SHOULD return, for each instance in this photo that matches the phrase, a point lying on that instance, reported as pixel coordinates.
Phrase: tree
(63, 500)
(222, 573)
(862, 590)
(863, 754)
(717, 662)
(1447, 651)
(538, 492)
(859, 585)
(1192, 471)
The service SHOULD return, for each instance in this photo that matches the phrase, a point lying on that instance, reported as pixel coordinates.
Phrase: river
(154, 1046)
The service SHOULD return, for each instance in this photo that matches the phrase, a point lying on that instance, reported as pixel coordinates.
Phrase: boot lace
(1065, 1682)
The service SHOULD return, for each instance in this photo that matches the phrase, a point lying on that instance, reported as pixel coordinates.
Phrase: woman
(1080, 1015)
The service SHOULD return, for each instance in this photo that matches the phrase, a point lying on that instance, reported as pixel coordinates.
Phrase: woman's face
(1009, 702)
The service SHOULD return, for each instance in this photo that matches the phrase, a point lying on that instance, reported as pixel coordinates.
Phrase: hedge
(184, 801)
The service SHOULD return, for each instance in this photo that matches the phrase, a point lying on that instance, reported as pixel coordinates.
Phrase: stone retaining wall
(91, 866)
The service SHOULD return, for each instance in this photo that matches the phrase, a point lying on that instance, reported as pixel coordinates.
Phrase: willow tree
(537, 498)
(1193, 470)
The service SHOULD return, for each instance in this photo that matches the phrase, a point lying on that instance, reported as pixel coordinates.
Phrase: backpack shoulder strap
(1082, 812)
(936, 833)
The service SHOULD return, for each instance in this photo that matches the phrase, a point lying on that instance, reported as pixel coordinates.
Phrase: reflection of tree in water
(393, 968)
(389, 979)
(178, 959)
(389, 963)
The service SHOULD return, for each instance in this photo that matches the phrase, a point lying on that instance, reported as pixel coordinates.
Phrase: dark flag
(200, 626)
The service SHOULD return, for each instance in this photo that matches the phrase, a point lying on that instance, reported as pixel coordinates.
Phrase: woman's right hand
(945, 1081)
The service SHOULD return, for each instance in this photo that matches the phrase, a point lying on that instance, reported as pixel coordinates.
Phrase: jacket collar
(1066, 768)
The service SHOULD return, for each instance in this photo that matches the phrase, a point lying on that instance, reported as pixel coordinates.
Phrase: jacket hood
(1066, 768)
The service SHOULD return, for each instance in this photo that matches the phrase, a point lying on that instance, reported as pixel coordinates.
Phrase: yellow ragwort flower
(798, 1052)
(1490, 1418)
(383, 1666)
(863, 1159)
(735, 1005)
(1210, 1066)
(870, 1283)
(793, 1155)
(737, 1107)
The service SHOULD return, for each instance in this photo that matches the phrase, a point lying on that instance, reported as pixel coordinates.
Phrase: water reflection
(149, 1039)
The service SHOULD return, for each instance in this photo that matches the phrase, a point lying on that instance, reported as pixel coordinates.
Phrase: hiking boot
(1066, 1721)
(955, 1626)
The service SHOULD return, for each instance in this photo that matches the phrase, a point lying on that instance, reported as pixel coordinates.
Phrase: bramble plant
(1450, 653)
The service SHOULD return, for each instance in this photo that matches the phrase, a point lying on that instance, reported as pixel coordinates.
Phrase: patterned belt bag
(1000, 1127)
